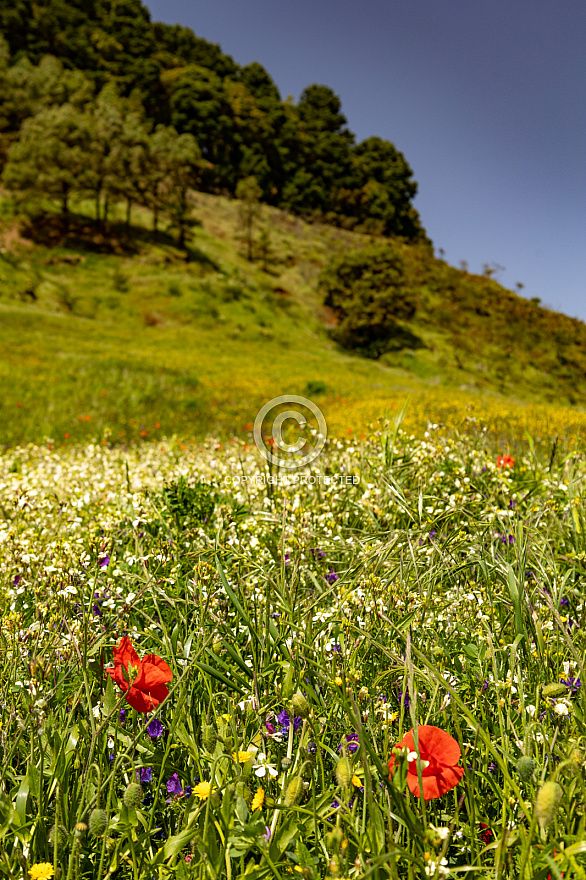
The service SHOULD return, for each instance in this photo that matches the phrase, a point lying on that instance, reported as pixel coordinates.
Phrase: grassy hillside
(127, 338)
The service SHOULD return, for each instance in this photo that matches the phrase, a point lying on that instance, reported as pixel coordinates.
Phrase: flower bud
(80, 829)
(555, 689)
(300, 705)
(98, 822)
(132, 797)
(525, 768)
(293, 792)
(546, 803)
(344, 771)
(62, 835)
(209, 737)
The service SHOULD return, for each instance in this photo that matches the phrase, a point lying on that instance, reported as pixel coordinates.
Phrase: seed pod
(132, 797)
(62, 835)
(209, 737)
(546, 803)
(98, 822)
(300, 705)
(344, 771)
(293, 792)
(525, 768)
(555, 689)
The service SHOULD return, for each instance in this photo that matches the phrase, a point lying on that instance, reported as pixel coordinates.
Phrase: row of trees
(303, 155)
(104, 150)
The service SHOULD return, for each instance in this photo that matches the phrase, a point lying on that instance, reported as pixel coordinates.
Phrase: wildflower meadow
(372, 671)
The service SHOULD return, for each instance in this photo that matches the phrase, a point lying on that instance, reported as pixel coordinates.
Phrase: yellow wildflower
(258, 800)
(42, 871)
(356, 780)
(242, 757)
(203, 790)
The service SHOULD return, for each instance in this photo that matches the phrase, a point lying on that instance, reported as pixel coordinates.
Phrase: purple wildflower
(104, 562)
(155, 729)
(146, 774)
(283, 718)
(573, 683)
(173, 785)
(352, 743)
(332, 577)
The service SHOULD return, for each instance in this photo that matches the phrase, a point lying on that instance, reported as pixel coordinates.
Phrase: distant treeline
(113, 102)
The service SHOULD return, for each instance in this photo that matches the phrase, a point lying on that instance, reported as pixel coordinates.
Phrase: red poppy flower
(505, 461)
(439, 754)
(142, 680)
(485, 833)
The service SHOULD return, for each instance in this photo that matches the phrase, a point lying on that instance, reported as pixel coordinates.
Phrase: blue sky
(486, 99)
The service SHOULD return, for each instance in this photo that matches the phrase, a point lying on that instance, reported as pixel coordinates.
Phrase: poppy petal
(125, 654)
(139, 701)
(436, 786)
(155, 671)
(435, 741)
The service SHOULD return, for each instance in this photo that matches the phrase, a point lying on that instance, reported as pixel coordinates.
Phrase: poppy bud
(98, 822)
(300, 705)
(555, 689)
(525, 768)
(344, 771)
(209, 737)
(62, 835)
(293, 792)
(546, 803)
(132, 797)
(285, 763)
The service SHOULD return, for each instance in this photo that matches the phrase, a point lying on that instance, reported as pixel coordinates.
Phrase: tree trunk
(65, 206)
(128, 210)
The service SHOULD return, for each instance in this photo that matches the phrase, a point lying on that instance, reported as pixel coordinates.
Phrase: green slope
(107, 335)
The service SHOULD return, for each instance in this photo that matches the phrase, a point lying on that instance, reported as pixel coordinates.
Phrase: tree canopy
(303, 155)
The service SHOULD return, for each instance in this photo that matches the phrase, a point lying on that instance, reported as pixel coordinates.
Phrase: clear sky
(485, 98)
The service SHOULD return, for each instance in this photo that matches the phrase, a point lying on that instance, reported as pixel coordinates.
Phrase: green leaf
(109, 697)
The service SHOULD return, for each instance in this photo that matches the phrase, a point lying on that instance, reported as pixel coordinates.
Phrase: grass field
(305, 630)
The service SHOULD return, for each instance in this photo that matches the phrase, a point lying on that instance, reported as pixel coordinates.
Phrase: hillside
(136, 337)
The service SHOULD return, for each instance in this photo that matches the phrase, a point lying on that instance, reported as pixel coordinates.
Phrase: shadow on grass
(81, 233)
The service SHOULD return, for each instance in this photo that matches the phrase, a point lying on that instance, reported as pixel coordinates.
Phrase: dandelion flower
(203, 790)
(258, 800)
(42, 871)
(242, 757)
